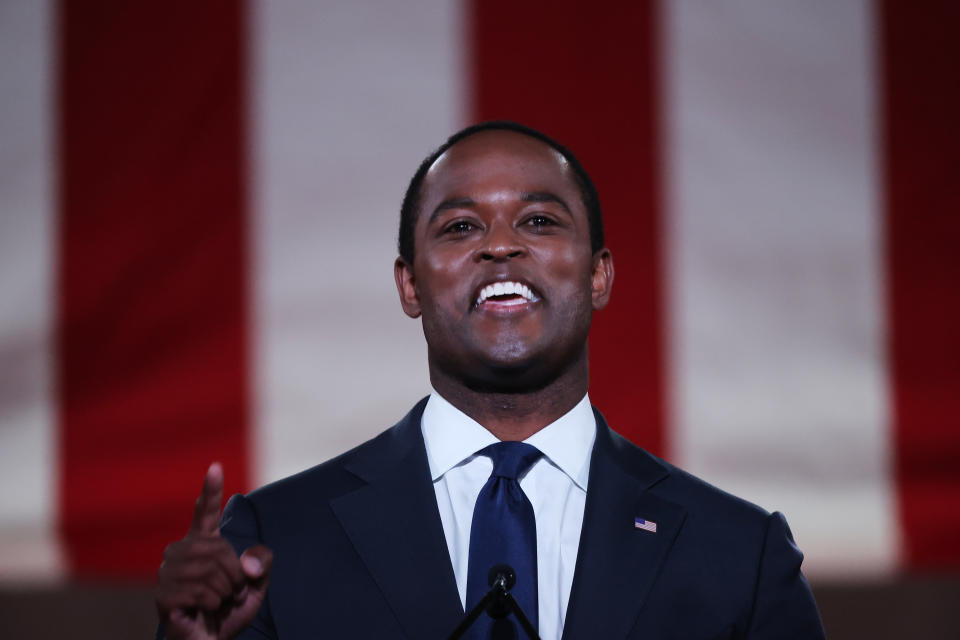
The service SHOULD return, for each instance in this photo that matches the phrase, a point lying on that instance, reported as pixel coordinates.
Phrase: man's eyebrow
(451, 203)
(527, 196)
(544, 196)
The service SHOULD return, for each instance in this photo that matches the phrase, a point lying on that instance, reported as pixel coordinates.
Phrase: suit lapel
(394, 524)
(618, 563)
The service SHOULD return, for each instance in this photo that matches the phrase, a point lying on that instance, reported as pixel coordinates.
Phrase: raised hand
(204, 591)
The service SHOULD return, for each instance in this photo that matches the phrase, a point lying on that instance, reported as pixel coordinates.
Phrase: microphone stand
(498, 603)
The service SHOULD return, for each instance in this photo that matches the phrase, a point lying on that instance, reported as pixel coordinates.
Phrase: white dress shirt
(556, 486)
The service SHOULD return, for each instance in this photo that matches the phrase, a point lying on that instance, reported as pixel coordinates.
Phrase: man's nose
(501, 243)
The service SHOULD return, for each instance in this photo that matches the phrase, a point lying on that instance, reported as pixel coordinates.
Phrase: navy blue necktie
(504, 531)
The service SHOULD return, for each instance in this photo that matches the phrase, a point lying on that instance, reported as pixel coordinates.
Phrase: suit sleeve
(239, 525)
(783, 604)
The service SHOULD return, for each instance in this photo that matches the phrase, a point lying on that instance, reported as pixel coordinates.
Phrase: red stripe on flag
(585, 74)
(921, 101)
(152, 336)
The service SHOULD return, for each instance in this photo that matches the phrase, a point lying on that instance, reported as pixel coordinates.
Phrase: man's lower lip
(504, 308)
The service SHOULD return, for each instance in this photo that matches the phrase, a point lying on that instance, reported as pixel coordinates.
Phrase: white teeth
(505, 289)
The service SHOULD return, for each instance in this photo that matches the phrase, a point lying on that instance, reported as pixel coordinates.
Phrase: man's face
(503, 273)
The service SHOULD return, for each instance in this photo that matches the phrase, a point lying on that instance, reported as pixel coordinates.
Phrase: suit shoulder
(695, 494)
(329, 477)
(709, 498)
(340, 475)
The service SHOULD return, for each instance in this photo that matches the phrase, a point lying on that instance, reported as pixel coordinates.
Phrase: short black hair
(411, 199)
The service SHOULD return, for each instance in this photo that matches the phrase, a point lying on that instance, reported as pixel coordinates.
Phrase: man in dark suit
(502, 256)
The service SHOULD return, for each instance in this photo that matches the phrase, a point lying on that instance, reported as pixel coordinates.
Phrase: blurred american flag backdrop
(198, 207)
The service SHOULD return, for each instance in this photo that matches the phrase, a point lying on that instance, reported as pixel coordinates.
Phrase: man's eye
(460, 227)
(540, 221)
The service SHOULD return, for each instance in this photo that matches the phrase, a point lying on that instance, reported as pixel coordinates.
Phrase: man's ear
(602, 278)
(403, 274)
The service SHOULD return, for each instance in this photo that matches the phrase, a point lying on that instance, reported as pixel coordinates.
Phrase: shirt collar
(452, 437)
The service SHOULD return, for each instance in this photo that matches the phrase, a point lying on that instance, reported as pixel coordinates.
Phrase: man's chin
(510, 376)
(510, 367)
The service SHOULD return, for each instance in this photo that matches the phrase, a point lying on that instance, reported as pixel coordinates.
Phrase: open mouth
(505, 294)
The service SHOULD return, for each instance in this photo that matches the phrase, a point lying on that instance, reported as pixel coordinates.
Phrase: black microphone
(502, 572)
(501, 579)
(498, 603)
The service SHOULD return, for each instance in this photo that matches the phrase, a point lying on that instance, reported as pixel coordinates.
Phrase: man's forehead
(496, 147)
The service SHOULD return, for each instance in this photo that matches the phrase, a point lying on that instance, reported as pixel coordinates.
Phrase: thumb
(257, 562)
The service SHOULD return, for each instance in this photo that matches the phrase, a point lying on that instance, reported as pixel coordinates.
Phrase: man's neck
(514, 416)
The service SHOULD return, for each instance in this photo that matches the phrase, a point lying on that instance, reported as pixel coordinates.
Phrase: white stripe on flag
(348, 97)
(778, 368)
(28, 548)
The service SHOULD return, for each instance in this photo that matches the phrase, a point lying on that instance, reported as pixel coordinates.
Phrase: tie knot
(511, 459)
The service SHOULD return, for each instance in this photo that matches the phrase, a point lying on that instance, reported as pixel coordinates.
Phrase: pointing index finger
(206, 513)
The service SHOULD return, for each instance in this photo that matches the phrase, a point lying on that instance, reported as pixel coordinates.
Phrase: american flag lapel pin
(646, 525)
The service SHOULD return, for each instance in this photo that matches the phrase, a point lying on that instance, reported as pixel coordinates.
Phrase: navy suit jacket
(359, 552)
